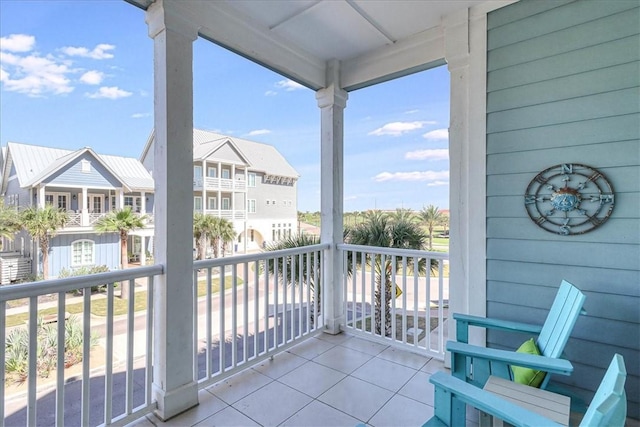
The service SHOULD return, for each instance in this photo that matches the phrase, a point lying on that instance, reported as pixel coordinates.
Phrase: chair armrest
(541, 363)
(489, 323)
(482, 400)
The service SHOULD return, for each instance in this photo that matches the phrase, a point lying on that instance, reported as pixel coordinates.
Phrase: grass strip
(99, 303)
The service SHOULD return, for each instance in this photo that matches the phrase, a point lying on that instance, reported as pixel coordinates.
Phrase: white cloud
(17, 43)
(288, 85)
(34, 75)
(432, 176)
(437, 135)
(437, 183)
(270, 93)
(140, 115)
(259, 132)
(98, 52)
(109, 92)
(412, 111)
(432, 154)
(92, 77)
(399, 128)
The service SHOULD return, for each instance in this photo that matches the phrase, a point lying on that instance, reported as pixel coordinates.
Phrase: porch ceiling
(374, 40)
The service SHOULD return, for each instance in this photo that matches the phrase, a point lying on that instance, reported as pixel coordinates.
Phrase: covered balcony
(533, 84)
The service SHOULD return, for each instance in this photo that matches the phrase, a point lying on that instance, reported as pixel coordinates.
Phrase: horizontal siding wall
(106, 249)
(563, 87)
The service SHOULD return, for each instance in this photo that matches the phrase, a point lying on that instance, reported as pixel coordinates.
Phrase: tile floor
(330, 380)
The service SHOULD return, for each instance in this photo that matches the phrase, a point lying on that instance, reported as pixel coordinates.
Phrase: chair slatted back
(609, 404)
(559, 323)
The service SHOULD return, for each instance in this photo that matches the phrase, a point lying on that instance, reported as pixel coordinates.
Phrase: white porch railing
(104, 392)
(211, 183)
(419, 300)
(268, 305)
(74, 219)
(94, 217)
(227, 214)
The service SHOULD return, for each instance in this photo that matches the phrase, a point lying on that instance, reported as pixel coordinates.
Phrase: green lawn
(99, 303)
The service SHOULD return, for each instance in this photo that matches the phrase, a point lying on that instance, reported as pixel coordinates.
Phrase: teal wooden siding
(72, 175)
(563, 87)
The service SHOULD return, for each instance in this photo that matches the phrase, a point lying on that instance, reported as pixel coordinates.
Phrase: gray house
(249, 183)
(86, 185)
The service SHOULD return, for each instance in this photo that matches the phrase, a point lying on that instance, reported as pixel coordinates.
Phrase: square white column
(174, 387)
(332, 100)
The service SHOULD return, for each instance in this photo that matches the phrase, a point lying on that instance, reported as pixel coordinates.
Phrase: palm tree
(430, 217)
(380, 230)
(221, 233)
(202, 226)
(121, 221)
(404, 214)
(9, 222)
(42, 224)
(305, 270)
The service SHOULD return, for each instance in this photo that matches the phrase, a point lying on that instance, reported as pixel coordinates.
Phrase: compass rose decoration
(569, 199)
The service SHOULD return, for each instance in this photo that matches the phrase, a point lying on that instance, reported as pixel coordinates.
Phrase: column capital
(164, 15)
(330, 96)
(456, 39)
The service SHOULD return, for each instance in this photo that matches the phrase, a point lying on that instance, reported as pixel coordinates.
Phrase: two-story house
(249, 183)
(86, 185)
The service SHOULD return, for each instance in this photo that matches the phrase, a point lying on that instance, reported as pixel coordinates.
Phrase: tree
(202, 226)
(380, 230)
(431, 216)
(305, 270)
(42, 224)
(221, 233)
(123, 222)
(404, 214)
(9, 222)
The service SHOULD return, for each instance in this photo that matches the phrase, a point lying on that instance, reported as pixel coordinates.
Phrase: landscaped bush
(83, 271)
(17, 349)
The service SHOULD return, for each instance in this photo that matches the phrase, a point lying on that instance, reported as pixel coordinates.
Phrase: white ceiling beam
(222, 25)
(419, 52)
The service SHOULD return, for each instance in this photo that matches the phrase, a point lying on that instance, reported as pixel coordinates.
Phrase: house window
(212, 172)
(212, 203)
(197, 172)
(128, 201)
(82, 253)
(94, 201)
(251, 182)
(85, 166)
(58, 200)
(226, 204)
(226, 173)
(251, 205)
(197, 203)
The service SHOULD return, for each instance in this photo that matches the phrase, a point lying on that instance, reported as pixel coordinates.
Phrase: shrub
(17, 348)
(84, 271)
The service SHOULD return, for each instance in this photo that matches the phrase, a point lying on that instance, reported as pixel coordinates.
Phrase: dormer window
(85, 166)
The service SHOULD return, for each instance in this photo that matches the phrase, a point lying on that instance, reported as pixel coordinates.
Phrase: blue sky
(80, 73)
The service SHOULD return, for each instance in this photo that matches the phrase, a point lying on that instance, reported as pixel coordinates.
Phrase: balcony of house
(260, 354)
(231, 179)
(230, 214)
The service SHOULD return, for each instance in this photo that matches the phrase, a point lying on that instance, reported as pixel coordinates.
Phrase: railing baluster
(256, 307)
(222, 337)
(60, 362)
(194, 321)
(404, 303)
(86, 352)
(245, 303)
(3, 316)
(149, 341)
(234, 317)
(276, 282)
(266, 305)
(108, 379)
(130, 354)
(440, 305)
(416, 298)
(209, 319)
(33, 359)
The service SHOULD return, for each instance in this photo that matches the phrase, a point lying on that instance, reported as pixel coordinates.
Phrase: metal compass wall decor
(569, 199)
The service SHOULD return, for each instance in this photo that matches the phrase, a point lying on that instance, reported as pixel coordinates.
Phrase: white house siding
(106, 247)
(563, 87)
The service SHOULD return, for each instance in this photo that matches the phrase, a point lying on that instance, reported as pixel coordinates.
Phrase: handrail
(34, 289)
(238, 259)
(393, 251)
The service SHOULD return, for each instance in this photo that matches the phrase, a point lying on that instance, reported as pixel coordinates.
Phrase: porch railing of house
(227, 214)
(266, 303)
(212, 183)
(417, 299)
(94, 217)
(74, 219)
(101, 393)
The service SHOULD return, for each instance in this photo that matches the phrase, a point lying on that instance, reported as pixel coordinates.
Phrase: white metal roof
(33, 163)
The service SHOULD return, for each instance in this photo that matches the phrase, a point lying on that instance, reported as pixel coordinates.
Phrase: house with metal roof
(249, 183)
(86, 185)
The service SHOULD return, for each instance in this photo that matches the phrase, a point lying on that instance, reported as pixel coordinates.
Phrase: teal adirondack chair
(608, 407)
(475, 364)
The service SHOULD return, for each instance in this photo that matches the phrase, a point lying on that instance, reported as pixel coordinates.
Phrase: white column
(332, 100)
(41, 193)
(85, 207)
(173, 386)
(205, 206)
(143, 251)
(467, 152)
(143, 203)
(120, 198)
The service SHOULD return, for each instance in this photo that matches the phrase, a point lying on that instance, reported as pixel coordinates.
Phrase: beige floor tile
(365, 346)
(311, 348)
(403, 357)
(401, 411)
(385, 374)
(419, 388)
(357, 398)
(343, 359)
(312, 378)
(228, 417)
(209, 405)
(240, 385)
(280, 365)
(318, 414)
(272, 404)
